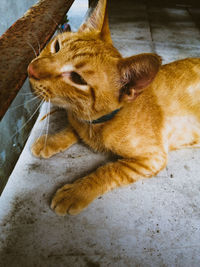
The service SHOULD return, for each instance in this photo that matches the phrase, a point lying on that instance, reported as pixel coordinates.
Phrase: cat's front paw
(44, 147)
(71, 199)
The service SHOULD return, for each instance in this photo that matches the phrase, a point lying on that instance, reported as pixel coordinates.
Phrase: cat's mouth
(37, 85)
(41, 91)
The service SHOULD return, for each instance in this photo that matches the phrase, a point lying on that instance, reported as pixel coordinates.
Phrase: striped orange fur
(85, 74)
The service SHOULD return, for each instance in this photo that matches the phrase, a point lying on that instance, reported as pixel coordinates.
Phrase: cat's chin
(60, 103)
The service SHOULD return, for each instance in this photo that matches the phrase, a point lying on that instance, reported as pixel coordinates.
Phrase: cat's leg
(49, 145)
(72, 198)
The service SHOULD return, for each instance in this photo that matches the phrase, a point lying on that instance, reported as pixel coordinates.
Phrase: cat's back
(177, 89)
(177, 86)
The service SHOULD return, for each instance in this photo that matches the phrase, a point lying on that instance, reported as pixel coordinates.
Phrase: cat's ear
(136, 73)
(98, 22)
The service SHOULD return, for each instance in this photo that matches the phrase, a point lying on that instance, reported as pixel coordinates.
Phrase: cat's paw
(44, 147)
(70, 199)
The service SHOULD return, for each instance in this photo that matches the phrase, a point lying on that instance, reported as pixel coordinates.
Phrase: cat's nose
(32, 73)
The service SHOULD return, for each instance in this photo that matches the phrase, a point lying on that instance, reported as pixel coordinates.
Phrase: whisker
(37, 43)
(49, 116)
(42, 127)
(32, 48)
(60, 28)
(90, 123)
(30, 100)
(41, 132)
(47, 129)
(26, 94)
(47, 123)
(27, 120)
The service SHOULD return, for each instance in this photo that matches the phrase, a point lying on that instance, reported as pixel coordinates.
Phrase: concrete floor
(154, 222)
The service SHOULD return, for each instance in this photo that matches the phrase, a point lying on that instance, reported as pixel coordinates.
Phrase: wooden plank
(34, 29)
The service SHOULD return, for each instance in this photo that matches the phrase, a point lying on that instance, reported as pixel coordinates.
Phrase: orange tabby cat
(132, 107)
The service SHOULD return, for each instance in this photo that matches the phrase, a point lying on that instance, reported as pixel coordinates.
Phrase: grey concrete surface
(154, 222)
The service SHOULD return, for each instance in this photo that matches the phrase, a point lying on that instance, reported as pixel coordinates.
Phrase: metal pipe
(32, 31)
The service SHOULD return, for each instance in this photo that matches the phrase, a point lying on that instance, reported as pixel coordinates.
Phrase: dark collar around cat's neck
(105, 118)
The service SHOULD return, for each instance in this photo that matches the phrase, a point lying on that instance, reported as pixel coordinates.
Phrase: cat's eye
(76, 78)
(57, 46)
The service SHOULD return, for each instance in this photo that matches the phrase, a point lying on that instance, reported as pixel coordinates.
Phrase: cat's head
(84, 72)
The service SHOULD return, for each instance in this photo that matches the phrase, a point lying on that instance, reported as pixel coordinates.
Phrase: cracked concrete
(154, 222)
